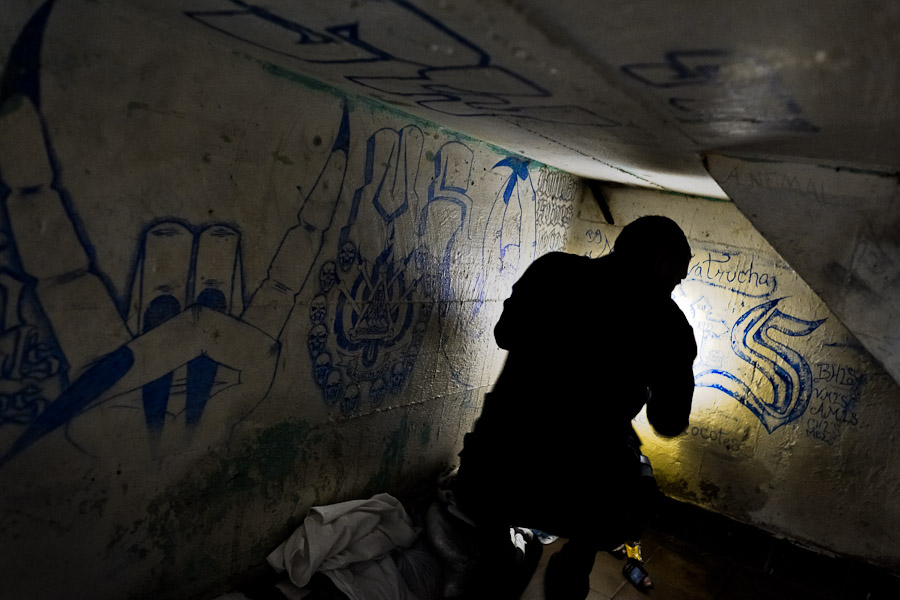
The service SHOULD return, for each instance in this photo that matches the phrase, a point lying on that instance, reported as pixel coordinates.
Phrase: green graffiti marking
(425, 435)
(282, 158)
(11, 105)
(259, 467)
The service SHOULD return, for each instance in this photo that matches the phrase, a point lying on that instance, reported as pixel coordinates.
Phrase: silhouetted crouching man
(590, 342)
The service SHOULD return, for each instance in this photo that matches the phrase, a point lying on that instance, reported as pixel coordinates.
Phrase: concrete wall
(232, 292)
(793, 424)
(228, 294)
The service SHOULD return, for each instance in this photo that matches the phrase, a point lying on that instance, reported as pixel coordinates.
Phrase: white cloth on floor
(377, 579)
(350, 543)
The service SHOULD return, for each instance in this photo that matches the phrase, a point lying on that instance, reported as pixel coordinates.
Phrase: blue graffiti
(186, 327)
(91, 385)
(786, 372)
(459, 80)
(22, 406)
(450, 206)
(371, 282)
(447, 197)
(713, 86)
(515, 244)
(718, 269)
(179, 266)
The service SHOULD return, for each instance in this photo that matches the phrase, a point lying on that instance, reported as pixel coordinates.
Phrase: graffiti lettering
(31, 368)
(455, 78)
(551, 214)
(552, 241)
(602, 243)
(777, 181)
(554, 209)
(837, 390)
(822, 430)
(841, 375)
(596, 236)
(708, 434)
(717, 269)
(556, 184)
(841, 415)
(722, 438)
(836, 397)
(783, 368)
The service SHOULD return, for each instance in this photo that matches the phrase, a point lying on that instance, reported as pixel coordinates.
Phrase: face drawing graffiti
(398, 375)
(318, 335)
(328, 276)
(377, 392)
(318, 310)
(322, 367)
(351, 400)
(346, 256)
(333, 386)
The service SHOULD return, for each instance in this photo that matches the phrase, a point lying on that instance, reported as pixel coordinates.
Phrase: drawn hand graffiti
(456, 77)
(187, 326)
(785, 374)
(719, 86)
(397, 259)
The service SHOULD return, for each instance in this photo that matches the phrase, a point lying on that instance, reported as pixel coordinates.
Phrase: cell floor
(694, 555)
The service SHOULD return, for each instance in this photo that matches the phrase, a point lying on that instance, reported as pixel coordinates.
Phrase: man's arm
(672, 384)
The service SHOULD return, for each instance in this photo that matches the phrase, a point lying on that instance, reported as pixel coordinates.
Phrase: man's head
(655, 246)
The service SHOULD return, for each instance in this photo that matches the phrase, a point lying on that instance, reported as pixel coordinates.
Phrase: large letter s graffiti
(786, 371)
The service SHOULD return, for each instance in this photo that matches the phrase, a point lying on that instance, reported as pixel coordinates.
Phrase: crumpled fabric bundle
(350, 542)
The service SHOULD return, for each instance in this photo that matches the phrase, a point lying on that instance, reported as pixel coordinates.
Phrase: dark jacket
(589, 344)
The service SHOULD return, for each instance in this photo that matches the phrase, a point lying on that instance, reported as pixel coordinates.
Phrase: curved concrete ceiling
(630, 92)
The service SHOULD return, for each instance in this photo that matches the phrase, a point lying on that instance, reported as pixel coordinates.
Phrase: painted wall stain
(391, 460)
(282, 158)
(261, 466)
(677, 487)
(92, 507)
(136, 106)
(708, 490)
(425, 434)
(11, 105)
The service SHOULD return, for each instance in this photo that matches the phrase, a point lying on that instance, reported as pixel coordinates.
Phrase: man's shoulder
(560, 259)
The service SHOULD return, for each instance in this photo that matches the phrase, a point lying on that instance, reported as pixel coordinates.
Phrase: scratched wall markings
(555, 203)
(708, 86)
(833, 407)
